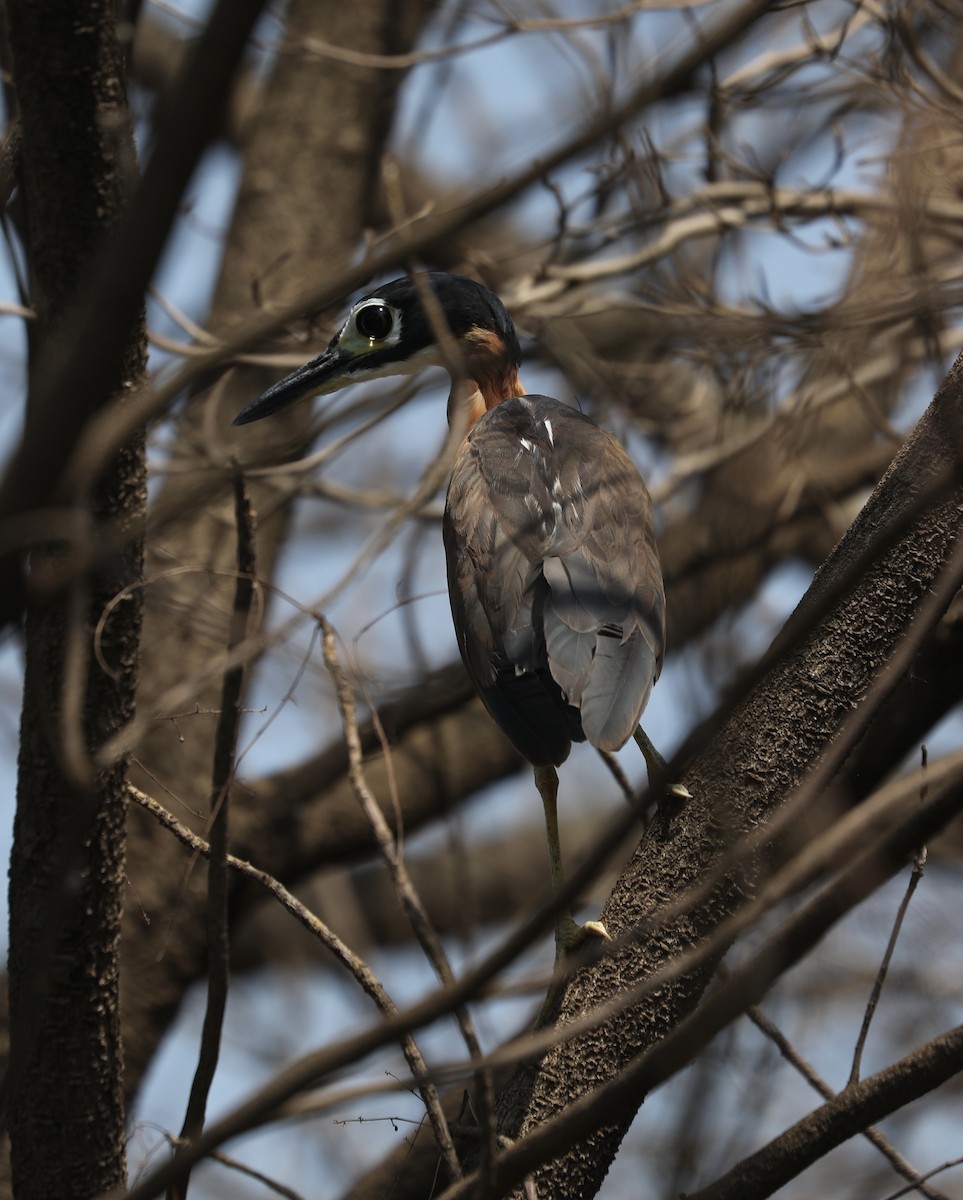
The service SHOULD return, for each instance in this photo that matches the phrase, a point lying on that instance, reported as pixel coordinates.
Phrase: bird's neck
(472, 398)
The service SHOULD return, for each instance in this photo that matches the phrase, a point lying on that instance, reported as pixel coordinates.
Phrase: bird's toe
(569, 935)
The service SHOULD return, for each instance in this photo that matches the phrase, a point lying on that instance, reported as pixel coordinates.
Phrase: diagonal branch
(815, 1080)
(850, 1112)
(597, 1110)
(354, 965)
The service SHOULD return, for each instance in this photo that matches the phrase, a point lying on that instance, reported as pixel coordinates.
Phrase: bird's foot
(569, 935)
(656, 766)
(593, 929)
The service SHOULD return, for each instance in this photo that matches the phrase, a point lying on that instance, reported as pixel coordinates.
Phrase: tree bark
(65, 1099)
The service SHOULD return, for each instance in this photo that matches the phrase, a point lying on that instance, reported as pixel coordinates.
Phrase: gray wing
(553, 568)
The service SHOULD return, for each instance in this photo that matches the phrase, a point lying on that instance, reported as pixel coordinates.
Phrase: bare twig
(811, 1075)
(407, 895)
(100, 326)
(272, 1185)
(102, 436)
(849, 1113)
(354, 964)
(746, 987)
(944, 1166)
(916, 874)
(724, 206)
(217, 871)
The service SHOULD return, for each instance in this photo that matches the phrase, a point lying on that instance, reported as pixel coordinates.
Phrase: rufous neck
(474, 397)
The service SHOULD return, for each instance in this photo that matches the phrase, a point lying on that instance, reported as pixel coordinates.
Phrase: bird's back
(554, 577)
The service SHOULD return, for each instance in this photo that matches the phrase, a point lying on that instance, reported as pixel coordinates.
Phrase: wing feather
(611, 699)
(554, 577)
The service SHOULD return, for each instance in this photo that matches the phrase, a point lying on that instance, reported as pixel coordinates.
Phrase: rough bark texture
(311, 163)
(754, 763)
(65, 1103)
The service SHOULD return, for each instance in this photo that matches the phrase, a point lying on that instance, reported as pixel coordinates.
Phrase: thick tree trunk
(65, 1104)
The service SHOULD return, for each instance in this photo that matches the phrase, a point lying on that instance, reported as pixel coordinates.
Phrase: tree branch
(853, 1110)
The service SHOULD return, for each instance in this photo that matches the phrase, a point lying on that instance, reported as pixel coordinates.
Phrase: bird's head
(392, 331)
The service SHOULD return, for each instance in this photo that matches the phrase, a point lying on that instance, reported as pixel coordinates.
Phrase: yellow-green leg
(568, 934)
(656, 765)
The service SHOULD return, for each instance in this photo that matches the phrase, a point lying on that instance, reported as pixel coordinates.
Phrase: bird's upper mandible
(435, 319)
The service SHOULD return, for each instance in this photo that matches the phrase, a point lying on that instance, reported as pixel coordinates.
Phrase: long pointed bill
(326, 373)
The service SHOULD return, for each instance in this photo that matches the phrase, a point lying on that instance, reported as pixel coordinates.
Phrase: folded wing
(554, 578)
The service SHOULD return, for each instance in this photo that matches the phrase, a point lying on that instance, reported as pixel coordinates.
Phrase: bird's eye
(374, 322)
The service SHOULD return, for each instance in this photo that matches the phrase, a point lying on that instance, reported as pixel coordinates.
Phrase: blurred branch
(158, 60)
(733, 204)
(84, 358)
(408, 898)
(294, 823)
(882, 856)
(675, 80)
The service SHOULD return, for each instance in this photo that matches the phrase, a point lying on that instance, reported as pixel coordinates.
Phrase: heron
(553, 569)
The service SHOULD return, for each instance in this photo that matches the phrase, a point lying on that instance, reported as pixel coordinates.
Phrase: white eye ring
(374, 320)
